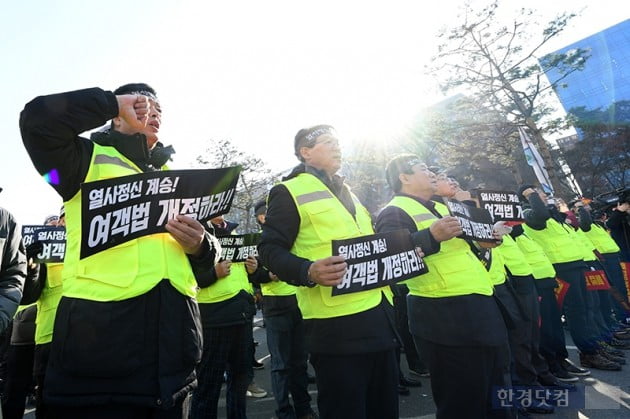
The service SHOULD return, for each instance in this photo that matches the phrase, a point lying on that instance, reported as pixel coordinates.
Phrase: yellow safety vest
(454, 270)
(323, 218)
(47, 303)
(228, 287)
(497, 271)
(601, 239)
(587, 246)
(514, 258)
(277, 288)
(536, 257)
(557, 242)
(129, 269)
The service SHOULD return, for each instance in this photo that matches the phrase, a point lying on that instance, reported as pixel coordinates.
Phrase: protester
(546, 225)
(351, 337)
(127, 336)
(227, 307)
(453, 317)
(285, 339)
(12, 267)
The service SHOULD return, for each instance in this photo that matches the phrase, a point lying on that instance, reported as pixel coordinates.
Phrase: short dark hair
(306, 137)
(401, 163)
(139, 88)
(260, 207)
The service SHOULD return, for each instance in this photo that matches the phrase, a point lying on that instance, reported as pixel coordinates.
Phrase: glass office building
(606, 76)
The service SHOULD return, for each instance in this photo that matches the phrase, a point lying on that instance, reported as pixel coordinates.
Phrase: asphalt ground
(603, 394)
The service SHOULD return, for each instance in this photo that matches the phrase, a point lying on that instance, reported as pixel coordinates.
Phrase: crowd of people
(154, 327)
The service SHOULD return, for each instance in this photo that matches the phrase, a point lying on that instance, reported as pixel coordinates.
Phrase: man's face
(152, 127)
(324, 155)
(445, 187)
(421, 181)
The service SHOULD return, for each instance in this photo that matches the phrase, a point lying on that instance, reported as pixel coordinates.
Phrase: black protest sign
(48, 241)
(377, 260)
(237, 247)
(117, 210)
(477, 223)
(502, 205)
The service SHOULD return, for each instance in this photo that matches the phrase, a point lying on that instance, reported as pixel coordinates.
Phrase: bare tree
(255, 179)
(498, 64)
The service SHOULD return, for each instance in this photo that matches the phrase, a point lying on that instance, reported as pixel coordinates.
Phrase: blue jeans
(285, 340)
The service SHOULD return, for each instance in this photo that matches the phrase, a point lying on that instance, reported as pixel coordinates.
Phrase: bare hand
(251, 264)
(273, 276)
(188, 232)
(445, 229)
(223, 268)
(328, 271)
(623, 207)
(134, 110)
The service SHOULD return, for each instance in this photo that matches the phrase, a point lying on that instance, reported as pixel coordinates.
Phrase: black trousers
(402, 325)
(19, 380)
(111, 411)
(552, 342)
(357, 386)
(464, 378)
(225, 350)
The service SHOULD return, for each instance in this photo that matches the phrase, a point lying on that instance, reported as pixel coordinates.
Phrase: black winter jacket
(143, 350)
(12, 267)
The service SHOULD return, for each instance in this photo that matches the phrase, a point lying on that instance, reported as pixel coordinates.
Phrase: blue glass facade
(606, 76)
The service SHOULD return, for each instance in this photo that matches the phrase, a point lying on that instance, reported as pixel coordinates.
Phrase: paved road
(607, 393)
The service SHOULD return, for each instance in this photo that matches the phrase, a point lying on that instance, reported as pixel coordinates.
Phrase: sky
(249, 71)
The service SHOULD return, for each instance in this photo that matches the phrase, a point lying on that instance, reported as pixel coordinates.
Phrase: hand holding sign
(251, 264)
(445, 229)
(188, 232)
(328, 271)
(223, 268)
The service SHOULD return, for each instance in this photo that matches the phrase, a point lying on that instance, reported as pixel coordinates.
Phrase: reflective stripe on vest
(556, 241)
(47, 303)
(454, 270)
(601, 239)
(324, 218)
(129, 269)
(514, 258)
(536, 257)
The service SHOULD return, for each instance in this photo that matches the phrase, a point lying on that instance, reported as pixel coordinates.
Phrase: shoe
(403, 391)
(568, 366)
(622, 335)
(539, 407)
(619, 344)
(552, 381)
(616, 352)
(564, 376)
(598, 362)
(258, 365)
(310, 415)
(311, 378)
(419, 374)
(619, 360)
(254, 391)
(409, 381)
